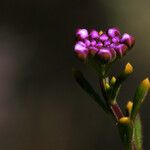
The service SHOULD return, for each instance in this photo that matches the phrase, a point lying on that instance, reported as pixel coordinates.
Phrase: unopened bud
(94, 34)
(113, 80)
(81, 50)
(112, 32)
(107, 86)
(82, 34)
(121, 50)
(106, 55)
(128, 68)
(103, 37)
(129, 106)
(128, 39)
(100, 32)
(145, 83)
(124, 120)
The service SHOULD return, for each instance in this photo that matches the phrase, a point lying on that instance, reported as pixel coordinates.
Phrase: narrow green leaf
(86, 86)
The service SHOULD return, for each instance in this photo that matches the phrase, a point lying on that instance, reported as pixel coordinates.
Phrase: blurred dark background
(41, 106)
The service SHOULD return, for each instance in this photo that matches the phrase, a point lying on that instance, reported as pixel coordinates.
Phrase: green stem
(131, 134)
(137, 136)
(126, 135)
(114, 108)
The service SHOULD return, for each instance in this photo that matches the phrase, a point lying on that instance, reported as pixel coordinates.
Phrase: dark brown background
(41, 106)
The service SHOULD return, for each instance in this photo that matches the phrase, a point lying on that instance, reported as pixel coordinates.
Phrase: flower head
(107, 46)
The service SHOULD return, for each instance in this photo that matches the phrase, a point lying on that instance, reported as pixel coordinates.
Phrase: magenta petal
(105, 55)
(87, 42)
(93, 50)
(81, 50)
(112, 32)
(121, 49)
(113, 52)
(82, 34)
(116, 39)
(99, 45)
(103, 37)
(80, 46)
(94, 34)
(93, 43)
(113, 45)
(128, 39)
(107, 43)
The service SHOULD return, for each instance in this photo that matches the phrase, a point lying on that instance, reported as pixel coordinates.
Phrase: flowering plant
(100, 50)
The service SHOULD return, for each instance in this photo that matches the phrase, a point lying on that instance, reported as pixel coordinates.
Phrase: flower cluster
(99, 50)
(107, 46)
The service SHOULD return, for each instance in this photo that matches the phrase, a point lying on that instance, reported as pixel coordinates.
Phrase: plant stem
(131, 134)
(116, 111)
(137, 135)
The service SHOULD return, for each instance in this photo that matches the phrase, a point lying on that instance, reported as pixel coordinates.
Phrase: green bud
(113, 80)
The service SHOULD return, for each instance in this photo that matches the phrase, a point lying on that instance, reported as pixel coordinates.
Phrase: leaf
(86, 86)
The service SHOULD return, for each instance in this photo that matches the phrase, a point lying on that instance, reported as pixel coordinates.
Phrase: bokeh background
(41, 106)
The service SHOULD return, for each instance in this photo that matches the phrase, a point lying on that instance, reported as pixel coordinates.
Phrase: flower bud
(112, 32)
(81, 50)
(113, 45)
(106, 54)
(99, 45)
(128, 39)
(93, 50)
(100, 32)
(129, 106)
(124, 120)
(116, 39)
(87, 42)
(103, 37)
(107, 43)
(113, 52)
(82, 34)
(128, 68)
(107, 86)
(145, 84)
(121, 49)
(113, 80)
(93, 43)
(94, 34)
